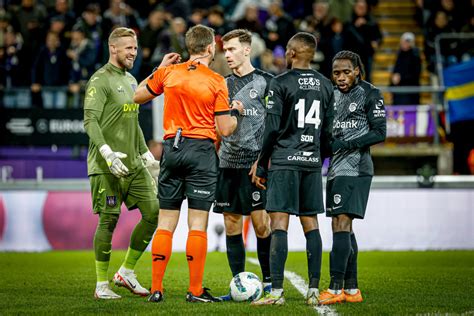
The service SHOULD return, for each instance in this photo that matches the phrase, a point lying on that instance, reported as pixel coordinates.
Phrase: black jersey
(241, 149)
(299, 120)
(359, 118)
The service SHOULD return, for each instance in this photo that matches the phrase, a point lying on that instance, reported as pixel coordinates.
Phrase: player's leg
(200, 189)
(351, 287)
(140, 192)
(261, 225)
(228, 203)
(105, 202)
(311, 204)
(339, 256)
(171, 196)
(359, 201)
(234, 242)
(254, 200)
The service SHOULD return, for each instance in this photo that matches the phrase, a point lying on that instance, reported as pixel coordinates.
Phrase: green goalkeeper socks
(131, 258)
(101, 268)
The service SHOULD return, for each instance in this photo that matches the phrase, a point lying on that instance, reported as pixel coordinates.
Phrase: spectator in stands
(62, 12)
(440, 24)
(297, 9)
(148, 39)
(341, 9)
(407, 70)
(197, 17)
(4, 26)
(363, 35)
(121, 14)
(171, 40)
(250, 20)
(317, 22)
(216, 21)
(332, 41)
(82, 56)
(50, 73)
(14, 71)
(94, 27)
(466, 45)
(175, 8)
(30, 20)
(454, 12)
(279, 27)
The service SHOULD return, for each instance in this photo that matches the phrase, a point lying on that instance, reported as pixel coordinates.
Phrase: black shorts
(236, 193)
(347, 195)
(295, 192)
(189, 171)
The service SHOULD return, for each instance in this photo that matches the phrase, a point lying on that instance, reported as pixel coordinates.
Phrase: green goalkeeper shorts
(108, 192)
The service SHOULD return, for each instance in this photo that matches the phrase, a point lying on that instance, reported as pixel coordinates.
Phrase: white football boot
(128, 279)
(312, 298)
(103, 292)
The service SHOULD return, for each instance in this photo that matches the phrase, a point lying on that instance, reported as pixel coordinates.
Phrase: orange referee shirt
(192, 97)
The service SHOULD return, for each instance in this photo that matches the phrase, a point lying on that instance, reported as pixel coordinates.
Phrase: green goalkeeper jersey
(111, 117)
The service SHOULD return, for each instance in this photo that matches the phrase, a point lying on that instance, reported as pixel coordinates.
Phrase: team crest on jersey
(253, 93)
(352, 106)
(256, 196)
(337, 198)
(111, 201)
(120, 89)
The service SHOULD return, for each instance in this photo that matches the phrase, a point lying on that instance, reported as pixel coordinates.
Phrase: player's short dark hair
(305, 39)
(354, 58)
(198, 38)
(244, 36)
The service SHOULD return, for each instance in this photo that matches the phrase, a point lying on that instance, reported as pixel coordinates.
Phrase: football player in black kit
(299, 121)
(359, 122)
(238, 153)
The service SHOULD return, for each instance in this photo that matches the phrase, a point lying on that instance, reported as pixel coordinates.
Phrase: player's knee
(108, 222)
(262, 230)
(341, 223)
(149, 210)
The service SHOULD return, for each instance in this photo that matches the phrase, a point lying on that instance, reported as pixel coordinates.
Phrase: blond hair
(121, 32)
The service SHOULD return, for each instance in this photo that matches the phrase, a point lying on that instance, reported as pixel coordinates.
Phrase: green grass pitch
(393, 283)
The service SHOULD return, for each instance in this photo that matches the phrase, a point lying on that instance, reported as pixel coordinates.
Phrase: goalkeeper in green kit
(120, 167)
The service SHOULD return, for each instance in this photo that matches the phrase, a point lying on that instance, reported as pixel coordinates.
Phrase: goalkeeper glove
(151, 164)
(116, 166)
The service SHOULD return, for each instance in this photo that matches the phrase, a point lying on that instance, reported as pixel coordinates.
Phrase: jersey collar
(116, 69)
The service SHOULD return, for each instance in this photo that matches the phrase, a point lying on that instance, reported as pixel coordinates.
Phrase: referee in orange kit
(196, 102)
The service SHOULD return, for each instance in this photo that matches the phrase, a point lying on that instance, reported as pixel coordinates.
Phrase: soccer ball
(245, 286)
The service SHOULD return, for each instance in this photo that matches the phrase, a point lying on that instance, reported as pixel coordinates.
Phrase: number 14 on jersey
(313, 114)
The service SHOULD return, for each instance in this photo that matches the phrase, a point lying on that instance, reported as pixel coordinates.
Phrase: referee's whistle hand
(169, 59)
(260, 183)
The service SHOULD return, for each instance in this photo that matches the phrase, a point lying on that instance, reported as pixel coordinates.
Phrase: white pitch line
(300, 284)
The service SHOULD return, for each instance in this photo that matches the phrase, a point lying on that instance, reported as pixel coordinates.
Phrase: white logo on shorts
(256, 196)
(337, 198)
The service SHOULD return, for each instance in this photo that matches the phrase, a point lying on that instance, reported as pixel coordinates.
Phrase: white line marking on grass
(299, 283)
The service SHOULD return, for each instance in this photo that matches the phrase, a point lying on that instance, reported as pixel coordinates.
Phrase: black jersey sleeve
(272, 126)
(326, 132)
(270, 135)
(375, 110)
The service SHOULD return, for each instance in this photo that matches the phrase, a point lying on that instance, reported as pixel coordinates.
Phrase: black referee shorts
(188, 172)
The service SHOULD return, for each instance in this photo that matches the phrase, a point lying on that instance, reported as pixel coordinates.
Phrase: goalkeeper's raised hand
(112, 158)
(151, 164)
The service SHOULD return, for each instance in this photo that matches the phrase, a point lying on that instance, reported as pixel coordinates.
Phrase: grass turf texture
(392, 283)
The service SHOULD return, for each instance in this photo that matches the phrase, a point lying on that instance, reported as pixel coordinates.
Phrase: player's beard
(125, 63)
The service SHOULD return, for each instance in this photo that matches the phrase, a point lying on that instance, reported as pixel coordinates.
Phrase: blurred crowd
(51, 47)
